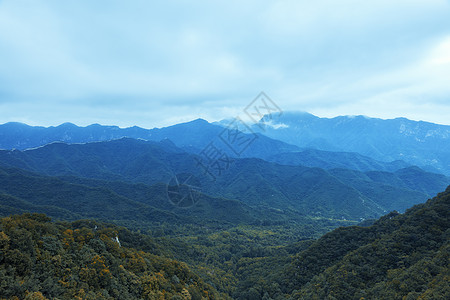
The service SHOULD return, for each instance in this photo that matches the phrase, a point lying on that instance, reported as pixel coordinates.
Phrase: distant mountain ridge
(418, 143)
(192, 136)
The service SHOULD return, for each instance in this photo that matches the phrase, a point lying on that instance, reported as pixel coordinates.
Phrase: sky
(157, 63)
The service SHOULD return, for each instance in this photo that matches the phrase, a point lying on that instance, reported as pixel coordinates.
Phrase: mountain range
(417, 143)
(225, 210)
(288, 190)
(355, 142)
(192, 136)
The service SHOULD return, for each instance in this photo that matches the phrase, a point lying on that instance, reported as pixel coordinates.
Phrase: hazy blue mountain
(251, 181)
(331, 160)
(192, 136)
(417, 143)
(379, 144)
(255, 182)
(396, 190)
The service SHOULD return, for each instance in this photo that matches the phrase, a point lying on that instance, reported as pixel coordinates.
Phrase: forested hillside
(82, 260)
(401, 256)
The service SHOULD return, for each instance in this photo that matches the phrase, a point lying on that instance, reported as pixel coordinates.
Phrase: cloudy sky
(153, 64)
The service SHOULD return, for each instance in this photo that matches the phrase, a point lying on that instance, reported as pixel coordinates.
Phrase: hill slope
(86, 260)
(332, 160)
(22, 191)
(399, 257)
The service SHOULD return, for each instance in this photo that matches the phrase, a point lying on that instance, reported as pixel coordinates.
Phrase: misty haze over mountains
(398, 142)
(419, 143)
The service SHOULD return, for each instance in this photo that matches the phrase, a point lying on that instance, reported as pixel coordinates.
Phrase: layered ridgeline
(87, 260)
(418, 143)
(137, 205)
(194, 136)
(256, 189)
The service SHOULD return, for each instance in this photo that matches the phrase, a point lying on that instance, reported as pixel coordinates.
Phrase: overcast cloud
(154, 64)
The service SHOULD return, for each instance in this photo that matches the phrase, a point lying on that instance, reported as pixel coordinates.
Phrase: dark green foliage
(399, 257)
(394, 191)
(75, 198)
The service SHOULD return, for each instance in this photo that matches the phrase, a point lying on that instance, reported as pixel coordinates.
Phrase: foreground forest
(400, 256)
(79, 260)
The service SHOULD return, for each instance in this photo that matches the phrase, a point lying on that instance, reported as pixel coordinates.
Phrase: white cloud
(441, 53)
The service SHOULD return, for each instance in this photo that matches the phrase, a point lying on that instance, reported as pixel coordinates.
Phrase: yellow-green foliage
(43, 260)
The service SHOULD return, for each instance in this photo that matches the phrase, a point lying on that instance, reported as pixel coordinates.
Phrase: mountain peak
(198, 121)
(67, 125)
(15, 124)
